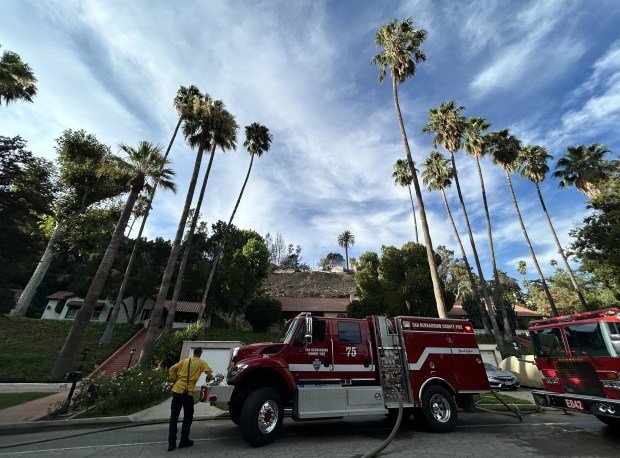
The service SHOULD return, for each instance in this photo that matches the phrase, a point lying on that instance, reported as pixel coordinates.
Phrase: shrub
(262, 311)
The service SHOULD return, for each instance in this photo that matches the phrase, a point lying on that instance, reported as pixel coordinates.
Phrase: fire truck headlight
(234, 354)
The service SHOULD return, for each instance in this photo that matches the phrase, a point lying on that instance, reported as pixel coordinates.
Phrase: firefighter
(185, 374)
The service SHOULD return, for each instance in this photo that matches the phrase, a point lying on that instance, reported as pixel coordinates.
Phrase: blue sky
(548, 70)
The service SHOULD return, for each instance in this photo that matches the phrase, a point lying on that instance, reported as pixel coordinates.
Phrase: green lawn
(13, 399)
(490, 399)
(29, 346)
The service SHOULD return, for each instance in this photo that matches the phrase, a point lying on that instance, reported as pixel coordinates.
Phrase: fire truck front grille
(580, 378)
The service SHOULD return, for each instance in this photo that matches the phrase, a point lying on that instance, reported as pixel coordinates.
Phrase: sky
(548, 70)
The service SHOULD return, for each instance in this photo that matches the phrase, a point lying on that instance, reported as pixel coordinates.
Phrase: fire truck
(323, 367)
(579, 360)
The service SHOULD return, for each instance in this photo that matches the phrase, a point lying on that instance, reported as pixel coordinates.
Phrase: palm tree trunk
(186, 250)
(529, 244)
(470, 276)
(106, 338)
(66, 359)
(415, 221)
(483, 283)
(37, 277)
(441, 306)
(346, 254)
(138, 306)
(146, 356)
(220, 250)
(561, 251)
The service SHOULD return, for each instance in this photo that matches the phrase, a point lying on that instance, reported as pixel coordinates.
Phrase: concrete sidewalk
(32, 410)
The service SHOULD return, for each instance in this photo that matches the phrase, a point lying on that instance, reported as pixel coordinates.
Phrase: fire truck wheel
(261, 416)
(439, 409)
(234, 410)
(610, 421)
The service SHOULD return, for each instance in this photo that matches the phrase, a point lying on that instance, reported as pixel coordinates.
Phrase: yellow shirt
(178, 373)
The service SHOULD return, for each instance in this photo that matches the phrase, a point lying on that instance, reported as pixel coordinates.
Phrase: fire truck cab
(578, 357)
(338, 367)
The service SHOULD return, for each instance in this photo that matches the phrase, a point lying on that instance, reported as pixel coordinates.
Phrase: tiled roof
(522, 312)
(314, 304)
(61, 295)
(185, 306)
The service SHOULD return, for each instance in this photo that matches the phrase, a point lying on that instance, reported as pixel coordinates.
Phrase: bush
(262, 311)
(168, 348)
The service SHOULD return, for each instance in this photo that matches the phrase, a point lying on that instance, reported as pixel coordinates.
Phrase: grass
(98, 411)
(490, 399)
(29, 347)
(13, 399)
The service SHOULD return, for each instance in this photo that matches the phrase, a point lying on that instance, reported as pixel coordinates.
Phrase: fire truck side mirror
(308, 339)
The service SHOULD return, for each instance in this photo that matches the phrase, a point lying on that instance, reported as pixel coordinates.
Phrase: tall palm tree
(403, 177)
(199, 138)
(400, 53)
(437, 176)
(584, 167)
(223, 128)
(185, 101)
(257, 142)
(144, 163)
(139, 210)
(475, 143)
(17, 80)
(448, 125)
(504, 150)
(533, 161)
(345, 240)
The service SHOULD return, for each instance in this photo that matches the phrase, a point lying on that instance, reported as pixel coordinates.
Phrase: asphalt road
(478, 434)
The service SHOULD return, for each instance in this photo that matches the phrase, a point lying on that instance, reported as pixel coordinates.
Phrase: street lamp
(132, 351)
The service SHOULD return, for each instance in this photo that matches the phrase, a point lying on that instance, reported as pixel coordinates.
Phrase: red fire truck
(579, 360)
(338, 367)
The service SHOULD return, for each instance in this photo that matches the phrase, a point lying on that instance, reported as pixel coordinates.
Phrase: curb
(55, 425)
(502, 408)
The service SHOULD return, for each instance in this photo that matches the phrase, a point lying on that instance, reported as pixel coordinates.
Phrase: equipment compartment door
(468, 362)
(312, 362)
(352, 353)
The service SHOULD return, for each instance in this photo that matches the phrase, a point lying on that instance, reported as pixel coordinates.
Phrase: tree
(262, 311)
(81, 184)
(331, 260)
(17, 80)
(400, 43)
(504, 150)
(185, 103)
(196, 138)
(221, 126)
(143, 164)
(346, 240)
(257, 142)
(437, 176)
(533, 165)
(597, 240)
(448, 125)
(585, 167)
(402, 177)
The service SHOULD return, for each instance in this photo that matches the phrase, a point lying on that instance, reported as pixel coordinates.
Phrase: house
(523, 315)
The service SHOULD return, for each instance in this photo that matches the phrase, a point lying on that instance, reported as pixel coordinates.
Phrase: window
(586, 340)
(349, 332)
(614, 335)
(72, 312)
(548, 343)
(318, 330)
(96, 314)
(146, 313)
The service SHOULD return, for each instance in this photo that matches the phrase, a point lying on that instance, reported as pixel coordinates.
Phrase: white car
(501, 379)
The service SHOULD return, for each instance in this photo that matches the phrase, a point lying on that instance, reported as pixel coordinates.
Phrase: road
(478, 434)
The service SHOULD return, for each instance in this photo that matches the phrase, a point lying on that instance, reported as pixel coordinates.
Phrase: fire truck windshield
(547, 343)
(587, 340)
(287, 333)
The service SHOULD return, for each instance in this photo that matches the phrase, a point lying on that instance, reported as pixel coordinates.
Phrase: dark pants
(179, 401)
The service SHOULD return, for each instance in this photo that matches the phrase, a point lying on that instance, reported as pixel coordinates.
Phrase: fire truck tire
(610, 421)
(439, 409)
(234, 410)
(261, 416)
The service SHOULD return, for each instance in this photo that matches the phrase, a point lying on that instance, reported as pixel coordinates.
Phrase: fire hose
(374, 452)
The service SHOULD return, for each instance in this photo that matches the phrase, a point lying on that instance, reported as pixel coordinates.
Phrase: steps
(122, 359)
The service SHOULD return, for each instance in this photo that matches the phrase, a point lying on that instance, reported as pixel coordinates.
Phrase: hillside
(309, 284)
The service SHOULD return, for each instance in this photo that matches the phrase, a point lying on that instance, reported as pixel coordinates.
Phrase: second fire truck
(339, 367)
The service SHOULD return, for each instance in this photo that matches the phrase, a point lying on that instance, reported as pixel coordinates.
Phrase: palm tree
(533, 161)
(185, 101)
(400, 53)
(448, 125)
(504, 150)
(17, 80)
(257, 142)
(403, 177)
(139, 210)
(144, 163)
(201, 139)
(475, 144)
(223, 130)
(437, 176)
(345, 240)
(584, 167)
